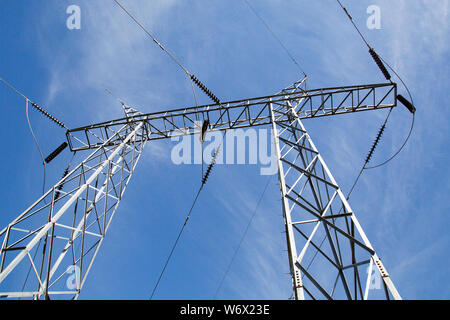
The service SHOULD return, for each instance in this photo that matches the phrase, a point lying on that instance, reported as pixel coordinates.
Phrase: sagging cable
(410, 106)
(38, 147)
(381, 65)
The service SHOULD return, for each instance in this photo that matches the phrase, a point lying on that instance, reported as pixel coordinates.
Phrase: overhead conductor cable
(214, 98)
(37, 145)
(380, 62)
(47, 115)
(190, 76)
(275, 37)
(204, 179)
(372, 52)
(409, 105)
(41, 110)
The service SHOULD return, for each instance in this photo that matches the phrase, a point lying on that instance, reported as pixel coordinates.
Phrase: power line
(399, 150)
(176, 242)
(412, 121)
(204, 179)
(380, 63)
(242, 238)
(354, 24)
(152, 37)
(379, 60)
(41, 110)
(372, 52)
(275, 37)
(44, 161)
(47, 115)
(191, 77)
(37, 144)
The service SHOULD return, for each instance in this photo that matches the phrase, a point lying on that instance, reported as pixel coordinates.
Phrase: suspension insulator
(205, 89)
(380, 64)
(59, 188)
(205, 127)
(406, 103)
(208, 171)
(56, 152)
(45, 113)
(211, 165)
(375, 143)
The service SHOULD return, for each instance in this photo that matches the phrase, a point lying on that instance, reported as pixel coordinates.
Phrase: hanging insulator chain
(61, 185)
(205, 177)
(56, 152)
(205, 127)
(375, 143)
(380, 64)
(205, 89)
(211, 165)
(48, 115)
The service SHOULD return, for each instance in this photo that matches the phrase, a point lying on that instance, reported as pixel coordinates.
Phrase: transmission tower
(328, 250)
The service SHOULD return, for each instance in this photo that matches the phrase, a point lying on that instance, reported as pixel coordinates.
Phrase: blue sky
(402, 206)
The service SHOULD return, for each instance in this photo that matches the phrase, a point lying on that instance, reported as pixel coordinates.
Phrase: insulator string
(204, 180)
(379, 61)
(41, 110)
(171, 56)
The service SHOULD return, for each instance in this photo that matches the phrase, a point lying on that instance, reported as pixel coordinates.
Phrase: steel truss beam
(61, 233)
(243, 113)
(328, 250)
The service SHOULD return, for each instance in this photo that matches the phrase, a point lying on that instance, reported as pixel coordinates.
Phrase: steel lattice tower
(327, 246)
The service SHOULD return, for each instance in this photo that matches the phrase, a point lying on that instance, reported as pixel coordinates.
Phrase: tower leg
(328, 250)
(52, 244)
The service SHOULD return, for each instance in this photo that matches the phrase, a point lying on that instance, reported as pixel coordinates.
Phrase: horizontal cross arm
(243, 113)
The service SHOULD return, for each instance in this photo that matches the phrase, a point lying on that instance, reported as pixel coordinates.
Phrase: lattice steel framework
(327, 247)
(63, 230)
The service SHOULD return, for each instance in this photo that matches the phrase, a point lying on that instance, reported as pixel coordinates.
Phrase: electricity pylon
(62, 231)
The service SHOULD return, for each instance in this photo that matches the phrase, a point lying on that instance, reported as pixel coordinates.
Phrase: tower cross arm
(243, 113)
